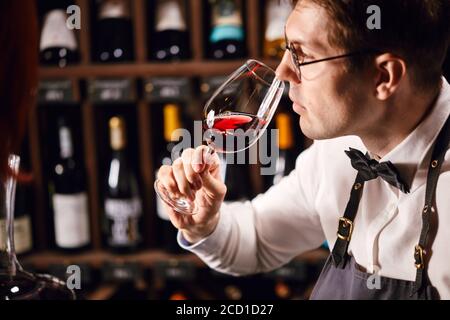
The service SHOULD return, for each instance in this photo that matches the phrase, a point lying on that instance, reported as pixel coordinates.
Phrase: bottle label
(112, 90)
(220, 33)
(55, 32)
(160, 210)
(56, 91)
(124, 215)
(114, 9)
(22, 234)
(167, 89)
(71, 220)
(278, 12)
(170, 16)
(65, 138)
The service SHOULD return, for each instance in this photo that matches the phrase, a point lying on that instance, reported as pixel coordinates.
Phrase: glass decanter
(15, 282)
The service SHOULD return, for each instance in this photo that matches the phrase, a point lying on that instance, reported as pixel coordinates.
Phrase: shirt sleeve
(269, 231)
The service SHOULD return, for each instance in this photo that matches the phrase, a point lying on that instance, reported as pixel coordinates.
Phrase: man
(375, 101)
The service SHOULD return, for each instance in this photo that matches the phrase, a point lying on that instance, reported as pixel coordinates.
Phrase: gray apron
(341, 277)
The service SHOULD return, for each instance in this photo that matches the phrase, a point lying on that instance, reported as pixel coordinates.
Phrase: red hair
(18, 73)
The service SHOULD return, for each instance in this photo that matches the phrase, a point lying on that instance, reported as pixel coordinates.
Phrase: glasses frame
(297, 64)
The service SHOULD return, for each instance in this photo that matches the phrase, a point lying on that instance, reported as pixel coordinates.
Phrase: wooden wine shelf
(188, 69)
(147, 259)
(141, 68)
(96, 259)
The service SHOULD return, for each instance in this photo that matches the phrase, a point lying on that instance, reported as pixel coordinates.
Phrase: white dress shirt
(303, 210)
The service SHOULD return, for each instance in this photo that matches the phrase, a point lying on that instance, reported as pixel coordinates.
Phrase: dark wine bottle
(58, 45)
(23, 239)
(172, 122)
(171, 39)
(236, 177)
(69, 198)
(114, 41)
(276, 16)
(123, 208)
(226, 40)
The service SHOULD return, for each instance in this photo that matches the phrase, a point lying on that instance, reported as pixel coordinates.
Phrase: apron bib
(342, 278)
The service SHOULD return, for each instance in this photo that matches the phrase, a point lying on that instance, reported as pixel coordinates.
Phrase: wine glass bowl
(235, 117)
(239, 111)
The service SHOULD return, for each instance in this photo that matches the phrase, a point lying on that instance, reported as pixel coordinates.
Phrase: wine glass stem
(210, 151)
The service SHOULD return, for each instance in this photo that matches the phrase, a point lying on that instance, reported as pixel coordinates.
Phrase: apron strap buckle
(345, 229)
(419, 252)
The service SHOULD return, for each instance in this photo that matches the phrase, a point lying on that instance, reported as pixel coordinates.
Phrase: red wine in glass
(232, 124)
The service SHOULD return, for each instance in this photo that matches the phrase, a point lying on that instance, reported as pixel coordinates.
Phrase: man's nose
(285, 70)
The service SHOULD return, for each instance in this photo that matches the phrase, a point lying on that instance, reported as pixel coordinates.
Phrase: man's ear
(390, 70)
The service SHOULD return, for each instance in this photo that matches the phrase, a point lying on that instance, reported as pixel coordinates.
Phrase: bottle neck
(169, 16)
(118, 140)
(278, 12)
(227, 13)
(114, 9)
(285, 136)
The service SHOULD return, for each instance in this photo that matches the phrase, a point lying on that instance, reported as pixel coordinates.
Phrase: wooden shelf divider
(85, 31)
(147, 171)
(253, 28)
(91, 161)
(196, 15)
(139, 11)
(186, 69)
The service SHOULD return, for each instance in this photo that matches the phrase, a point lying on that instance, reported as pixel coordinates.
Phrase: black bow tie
(371, 169)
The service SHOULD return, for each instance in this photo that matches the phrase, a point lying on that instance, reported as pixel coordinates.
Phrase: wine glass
(235, 117)
(15, 282)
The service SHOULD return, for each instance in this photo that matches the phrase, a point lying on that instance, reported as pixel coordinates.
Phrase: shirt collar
(410, 155)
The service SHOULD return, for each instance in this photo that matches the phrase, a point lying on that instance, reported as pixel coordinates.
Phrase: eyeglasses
(298, 60)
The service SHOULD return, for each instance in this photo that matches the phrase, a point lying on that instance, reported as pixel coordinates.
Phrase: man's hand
(196, 176)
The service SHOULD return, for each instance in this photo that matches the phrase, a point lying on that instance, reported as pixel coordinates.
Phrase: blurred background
(113, 88)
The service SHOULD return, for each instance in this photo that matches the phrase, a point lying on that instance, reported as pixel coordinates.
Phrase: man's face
(331, 101)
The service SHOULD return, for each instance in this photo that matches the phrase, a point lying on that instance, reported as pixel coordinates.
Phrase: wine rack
(86, 71)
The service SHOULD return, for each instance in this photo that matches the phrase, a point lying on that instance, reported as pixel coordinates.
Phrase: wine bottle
(226, 40)
(69, 198)
(276, 15)
(172, 122)
(287, 157)
(123, 207)
(114, 36)
(58, 44)
(171, 39)
(23, 239)
(237, 179)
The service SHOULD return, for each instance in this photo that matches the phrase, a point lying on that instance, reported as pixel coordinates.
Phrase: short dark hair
(416, 30)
